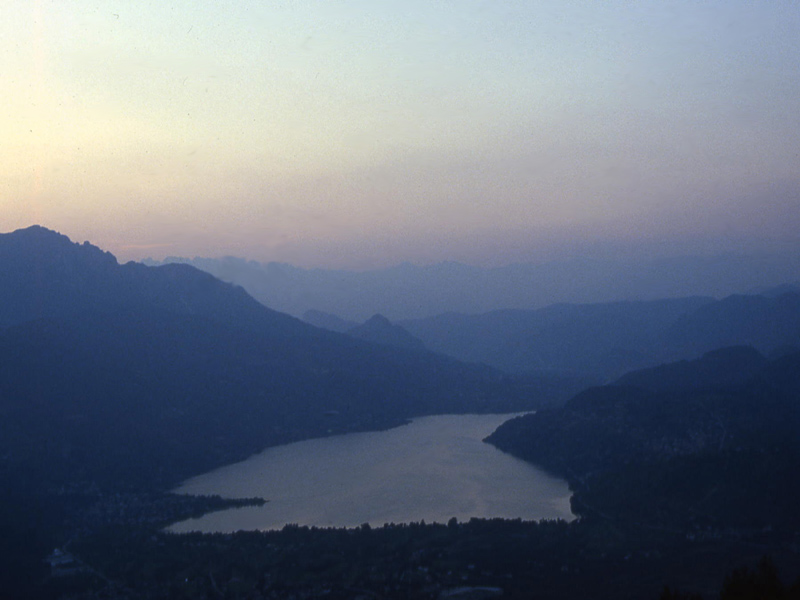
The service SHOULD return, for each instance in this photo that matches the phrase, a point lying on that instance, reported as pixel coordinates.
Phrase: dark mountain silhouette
(725, 368)
(44, 274)
(658, 449)
(379, 330)
(138, 374)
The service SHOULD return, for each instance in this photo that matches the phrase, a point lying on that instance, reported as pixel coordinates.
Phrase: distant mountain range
(408, 292)
(379, 330)
(608, 340)
(598, 340)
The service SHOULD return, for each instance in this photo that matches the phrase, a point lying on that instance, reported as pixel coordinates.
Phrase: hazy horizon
(362, 135)
(611, 254)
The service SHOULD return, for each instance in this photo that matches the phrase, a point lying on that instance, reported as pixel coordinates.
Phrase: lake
(432, 469)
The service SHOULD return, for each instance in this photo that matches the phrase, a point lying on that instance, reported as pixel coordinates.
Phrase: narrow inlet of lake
(432, 469)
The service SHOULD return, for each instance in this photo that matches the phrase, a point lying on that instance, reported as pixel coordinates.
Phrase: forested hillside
(707, 443)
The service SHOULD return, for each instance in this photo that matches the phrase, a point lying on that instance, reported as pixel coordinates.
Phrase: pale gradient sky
(350, 133)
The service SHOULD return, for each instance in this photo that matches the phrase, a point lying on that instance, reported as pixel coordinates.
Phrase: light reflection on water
(432, 469)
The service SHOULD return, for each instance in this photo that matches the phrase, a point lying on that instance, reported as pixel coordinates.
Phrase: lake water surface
(432, 469)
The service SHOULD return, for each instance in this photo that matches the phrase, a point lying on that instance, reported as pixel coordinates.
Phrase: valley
(118, 382)
(432, 469)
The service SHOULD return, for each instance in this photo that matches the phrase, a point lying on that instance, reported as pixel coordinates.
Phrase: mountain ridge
(378, 329)
(171, 353)
(407, 291)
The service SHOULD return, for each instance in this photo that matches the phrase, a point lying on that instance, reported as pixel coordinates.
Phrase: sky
(361, 134)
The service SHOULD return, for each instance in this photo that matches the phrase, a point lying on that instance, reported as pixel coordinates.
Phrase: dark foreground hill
(697, 444)
(138, 374)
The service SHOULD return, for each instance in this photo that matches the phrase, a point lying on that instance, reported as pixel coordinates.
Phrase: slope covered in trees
(705, 443)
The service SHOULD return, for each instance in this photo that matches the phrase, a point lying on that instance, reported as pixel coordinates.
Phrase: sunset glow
(356, 134)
